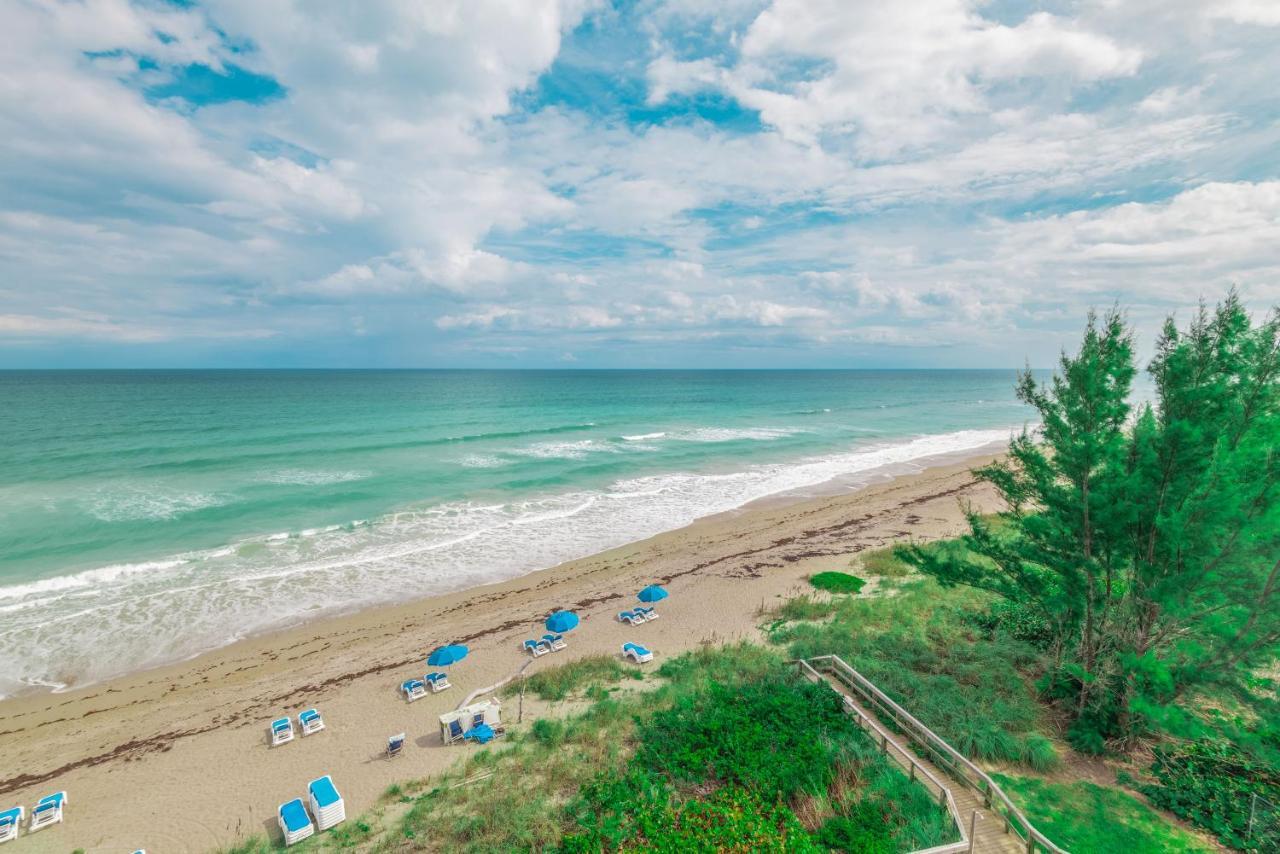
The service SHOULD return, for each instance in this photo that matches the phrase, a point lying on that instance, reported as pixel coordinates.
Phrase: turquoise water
(146, 516)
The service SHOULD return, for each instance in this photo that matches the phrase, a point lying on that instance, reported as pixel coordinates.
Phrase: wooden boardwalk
(988, 831)
(989, 822)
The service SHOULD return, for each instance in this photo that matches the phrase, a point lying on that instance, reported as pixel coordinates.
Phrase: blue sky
(657, 183)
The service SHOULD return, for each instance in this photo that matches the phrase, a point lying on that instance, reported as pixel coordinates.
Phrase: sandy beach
(178, 758)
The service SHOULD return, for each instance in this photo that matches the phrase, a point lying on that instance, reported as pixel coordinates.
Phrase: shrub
(837, 582)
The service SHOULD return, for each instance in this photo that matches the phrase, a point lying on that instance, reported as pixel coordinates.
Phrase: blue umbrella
(652, 593)
(446, 655)
(562, 621)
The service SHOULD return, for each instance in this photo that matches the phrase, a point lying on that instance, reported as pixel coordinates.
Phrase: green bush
(1211, 783)
(837, 582)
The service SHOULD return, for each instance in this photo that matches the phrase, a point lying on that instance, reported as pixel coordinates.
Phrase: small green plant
(837, 582)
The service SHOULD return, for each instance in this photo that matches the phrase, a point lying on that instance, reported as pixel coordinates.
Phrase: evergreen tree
(1148, 538)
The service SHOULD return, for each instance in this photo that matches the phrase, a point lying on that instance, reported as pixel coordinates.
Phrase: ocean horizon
(147, 516)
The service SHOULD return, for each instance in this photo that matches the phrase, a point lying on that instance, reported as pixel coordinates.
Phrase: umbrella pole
(520, 711)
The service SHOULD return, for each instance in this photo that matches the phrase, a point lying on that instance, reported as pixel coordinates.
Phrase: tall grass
(923, 649)
(557, 683)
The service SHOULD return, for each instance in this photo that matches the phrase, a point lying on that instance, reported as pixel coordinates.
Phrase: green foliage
(777, 737)
(922, 648)
(837, 582)
(1146, 540)
(1018, 621)
(805, 608)
(557, 683)
(1212, 783)
(1082, 816)
(864, 831)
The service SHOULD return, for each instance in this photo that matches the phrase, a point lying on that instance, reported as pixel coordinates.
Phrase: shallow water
(148, 516)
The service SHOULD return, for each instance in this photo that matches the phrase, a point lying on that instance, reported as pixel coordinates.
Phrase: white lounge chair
(536, 647)
(295, 824)
(310, 722)
(47, 811)
(438, 682)
(413, 689)
(556, 642)
(281, 731)
(636, 653)
(647, 613)
(630, 617)
(10, 823)
(326, 803)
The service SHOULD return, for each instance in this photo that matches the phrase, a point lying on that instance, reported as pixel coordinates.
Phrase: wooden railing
(941, 754)
(888, 745)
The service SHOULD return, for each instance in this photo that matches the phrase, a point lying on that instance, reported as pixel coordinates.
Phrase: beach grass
(558, 683)
(1083, 816)
(923, 648)
(881, 562)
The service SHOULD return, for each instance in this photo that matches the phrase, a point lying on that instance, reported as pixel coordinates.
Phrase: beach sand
(178, 758)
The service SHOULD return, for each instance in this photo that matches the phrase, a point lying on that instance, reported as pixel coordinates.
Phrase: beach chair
(630, 617)
(438, 681)
(326, 803)
(536, 647)
(636, 653)
(395, 745)
(556, 642)
(10, 823)
(47, 811)
(647, 613)
(413, 689)
(294, 822)
(310, 722)
(281, 731)
(455, 731)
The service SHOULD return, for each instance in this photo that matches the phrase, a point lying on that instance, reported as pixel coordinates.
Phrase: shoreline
(151, 729)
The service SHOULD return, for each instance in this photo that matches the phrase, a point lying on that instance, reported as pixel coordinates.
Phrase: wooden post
(520, 713)
(973, 829)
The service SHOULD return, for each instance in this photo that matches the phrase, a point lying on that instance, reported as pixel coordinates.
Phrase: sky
(657, 183)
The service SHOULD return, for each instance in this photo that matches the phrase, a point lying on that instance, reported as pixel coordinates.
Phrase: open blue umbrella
(446, 655)
(562, 621)
(652, 593)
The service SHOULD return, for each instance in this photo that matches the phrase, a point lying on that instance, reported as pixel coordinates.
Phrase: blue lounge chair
(556, 642)
(281, 731)
(438, 681)
(326, 804)
(455, 731)
(47, 811)
(413, 689)
(647, 613)
(310, 722)
(294, 822)
(636, 652)
(536, 647)
(10, 821)
(630, 617)
(395, 745)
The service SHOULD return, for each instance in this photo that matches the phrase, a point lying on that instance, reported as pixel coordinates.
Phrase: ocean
(148, 516)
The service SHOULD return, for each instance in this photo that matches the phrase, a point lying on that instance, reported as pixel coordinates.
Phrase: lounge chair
(556, 642)
(295, 824)
(630, 617)
(636, 652)
(438, 681)
(455, 731)
(647, 613)
(536, 647)
(47, 811)
(10, 822)
(326, 803)
(310, 722)
(413, 689)
(395, 745)
(281, 731)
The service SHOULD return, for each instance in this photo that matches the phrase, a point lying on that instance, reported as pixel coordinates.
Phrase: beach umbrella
(562, 621)
(446, 655)
(652, 593)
